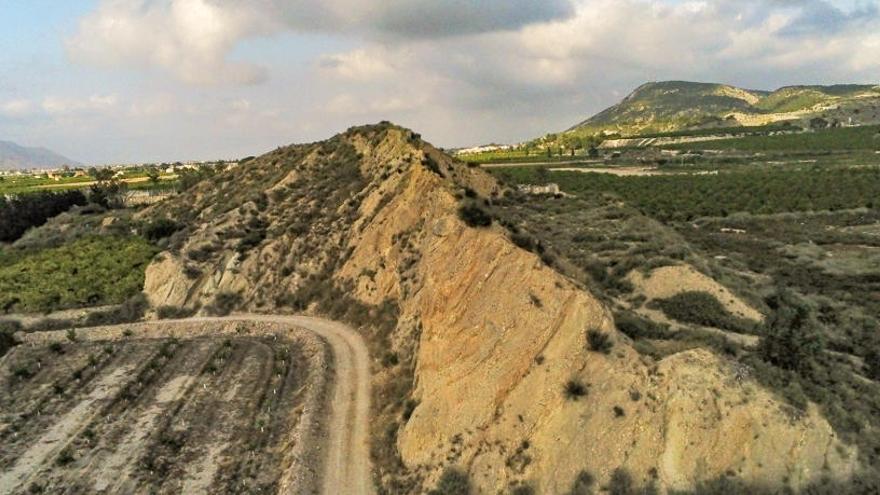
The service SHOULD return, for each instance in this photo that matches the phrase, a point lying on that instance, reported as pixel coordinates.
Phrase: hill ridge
(668, 106)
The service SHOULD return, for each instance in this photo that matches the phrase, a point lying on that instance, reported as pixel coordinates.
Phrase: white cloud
(16, 108)
(361, 65)
(190, 39)
(60, 106)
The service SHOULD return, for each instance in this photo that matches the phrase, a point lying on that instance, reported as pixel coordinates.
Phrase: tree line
(20, 213)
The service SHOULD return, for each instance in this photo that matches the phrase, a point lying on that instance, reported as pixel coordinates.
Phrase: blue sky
(107, 81)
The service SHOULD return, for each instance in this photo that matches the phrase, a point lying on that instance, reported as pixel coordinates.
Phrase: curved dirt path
(346, 464)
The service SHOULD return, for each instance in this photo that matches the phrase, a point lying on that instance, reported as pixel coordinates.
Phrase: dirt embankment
(197, 406)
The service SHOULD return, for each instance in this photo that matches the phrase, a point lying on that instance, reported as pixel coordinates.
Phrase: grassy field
(87, 272)
(27, 184)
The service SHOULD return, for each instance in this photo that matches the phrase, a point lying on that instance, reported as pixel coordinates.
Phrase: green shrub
(161, 228)
(523, 241)
(474, 216)
(872, 363)
(131, 310)
(174, 312)
(574, 389)
(702, 308)
(621, 483)
(7, 335)
(523, 489)
(582, 484)
(791, 339)
(453, 481)
(224, 303)
(599, 341)
(637, 327)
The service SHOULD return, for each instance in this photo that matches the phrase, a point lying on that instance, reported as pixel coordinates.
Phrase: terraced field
(190, 407)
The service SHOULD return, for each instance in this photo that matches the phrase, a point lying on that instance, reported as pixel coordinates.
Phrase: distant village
(121, 170)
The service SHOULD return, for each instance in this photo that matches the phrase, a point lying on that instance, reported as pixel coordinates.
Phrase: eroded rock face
(501, 335)
(494, 335)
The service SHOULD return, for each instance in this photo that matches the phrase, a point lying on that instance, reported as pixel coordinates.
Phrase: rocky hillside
(14, 157)
(677, 105)
(488, 363)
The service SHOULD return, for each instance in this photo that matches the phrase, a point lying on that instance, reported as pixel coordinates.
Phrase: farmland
(209, 408)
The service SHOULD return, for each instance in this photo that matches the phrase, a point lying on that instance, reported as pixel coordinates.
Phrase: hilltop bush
(474, 216)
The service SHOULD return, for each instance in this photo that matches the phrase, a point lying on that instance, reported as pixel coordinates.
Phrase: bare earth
(256, 404)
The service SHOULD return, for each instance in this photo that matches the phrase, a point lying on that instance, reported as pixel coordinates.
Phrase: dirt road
(347, 465)
(329, 447)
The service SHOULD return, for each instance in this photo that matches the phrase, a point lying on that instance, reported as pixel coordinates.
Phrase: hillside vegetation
(88, 272)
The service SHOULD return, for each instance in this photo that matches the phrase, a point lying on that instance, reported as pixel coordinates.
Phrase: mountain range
(14, 156)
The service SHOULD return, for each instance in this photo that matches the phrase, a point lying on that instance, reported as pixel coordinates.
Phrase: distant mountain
(677, 105)
(14, 156)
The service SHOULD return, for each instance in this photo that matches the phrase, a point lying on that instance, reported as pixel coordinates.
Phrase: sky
(110, 81)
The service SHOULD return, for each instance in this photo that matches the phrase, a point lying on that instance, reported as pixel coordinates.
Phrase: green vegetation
(453, 481)
(599, 341)
(702, 308)
(685, 197)
(174, 312)
(792, 339)
(840, 139)
(474, 216)
(87, 272)
(582, 484)
(18, 214)
(574, 389)
(7, 335)
(225, 303)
